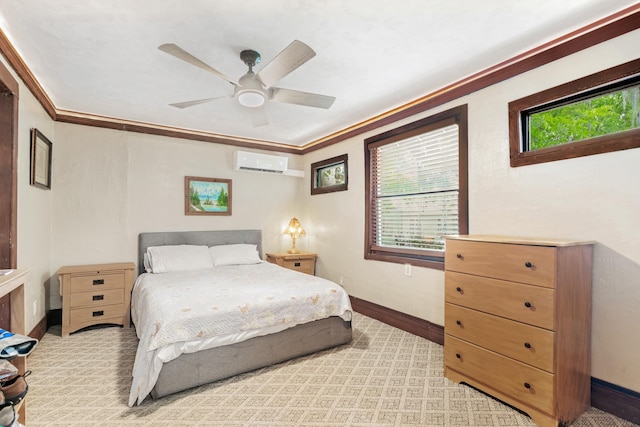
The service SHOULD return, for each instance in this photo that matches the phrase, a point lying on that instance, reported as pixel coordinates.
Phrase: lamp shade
(294, 229)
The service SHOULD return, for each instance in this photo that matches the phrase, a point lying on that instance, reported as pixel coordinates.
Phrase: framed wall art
(41, 150)
(207, 196)
(329, 175)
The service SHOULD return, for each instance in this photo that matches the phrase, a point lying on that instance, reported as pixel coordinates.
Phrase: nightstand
(303, 262)
(95, 294)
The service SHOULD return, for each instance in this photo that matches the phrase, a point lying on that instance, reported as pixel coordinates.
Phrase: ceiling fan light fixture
(251, 98)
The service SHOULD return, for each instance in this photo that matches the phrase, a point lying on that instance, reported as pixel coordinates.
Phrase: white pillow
(163, 259)
(240, 253)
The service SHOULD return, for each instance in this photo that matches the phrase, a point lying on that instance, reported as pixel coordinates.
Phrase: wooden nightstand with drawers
(518, 322)
(304, 262)
(95, 294)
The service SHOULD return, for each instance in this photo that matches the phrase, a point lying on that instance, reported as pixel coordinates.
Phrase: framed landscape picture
(207, 196)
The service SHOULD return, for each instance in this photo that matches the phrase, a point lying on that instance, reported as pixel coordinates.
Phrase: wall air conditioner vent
(256, 162)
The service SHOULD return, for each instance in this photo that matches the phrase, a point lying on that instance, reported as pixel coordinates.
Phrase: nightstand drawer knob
(459, 289)
(458, 355)
(297, 264)
(458, 322)
(527, 385)
(459, 256)
(98, 297)
(527, 264)
(527, 304)
(98, 282)
(98, 313)
(527, 345)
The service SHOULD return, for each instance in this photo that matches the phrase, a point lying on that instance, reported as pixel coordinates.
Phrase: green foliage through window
(599, 115)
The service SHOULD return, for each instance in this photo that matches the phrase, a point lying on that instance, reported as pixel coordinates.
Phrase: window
(416, 189)
(599, 113)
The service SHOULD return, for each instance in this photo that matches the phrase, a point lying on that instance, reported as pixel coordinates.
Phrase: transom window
(417, 189)
(597, 114)
(607, 111)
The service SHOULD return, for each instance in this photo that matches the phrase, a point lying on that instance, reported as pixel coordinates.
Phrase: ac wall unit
(248, 161)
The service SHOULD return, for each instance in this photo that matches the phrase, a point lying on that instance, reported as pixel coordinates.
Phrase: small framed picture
(41, 149)
(207, 196)
(329, 175)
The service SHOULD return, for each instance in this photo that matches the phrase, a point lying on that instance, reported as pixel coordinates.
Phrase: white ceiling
(101, 57)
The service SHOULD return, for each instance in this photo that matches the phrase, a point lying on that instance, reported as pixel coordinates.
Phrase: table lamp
(295, 230)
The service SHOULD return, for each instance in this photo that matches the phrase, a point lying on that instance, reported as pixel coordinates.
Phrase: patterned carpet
(385, 377)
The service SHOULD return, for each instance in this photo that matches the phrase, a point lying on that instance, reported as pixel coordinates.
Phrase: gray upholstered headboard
(209, 238)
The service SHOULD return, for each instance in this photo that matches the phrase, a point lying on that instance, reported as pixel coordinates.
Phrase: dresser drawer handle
(297, 264)
(98, 313)
(527, 264)
(98, 282)
(458, 322)
(459, 256)
(527, 345)
(458, 355)
(527, 385)
(98, 297)
(527, 304)
(459, 289)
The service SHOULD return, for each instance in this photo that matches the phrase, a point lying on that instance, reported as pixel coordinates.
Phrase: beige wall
(34, 209)
(589, 198)
(110, 185)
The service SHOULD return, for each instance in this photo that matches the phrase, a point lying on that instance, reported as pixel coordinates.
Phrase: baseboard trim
(39, 330)
(406, 322)
(616, 400)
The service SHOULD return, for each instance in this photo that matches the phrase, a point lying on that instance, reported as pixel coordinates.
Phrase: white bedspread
(183, 312)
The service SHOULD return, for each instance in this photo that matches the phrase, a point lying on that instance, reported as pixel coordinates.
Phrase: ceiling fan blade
(259, 117)
(293, 56)
(187, 104)
(297, 97)
(182, 54)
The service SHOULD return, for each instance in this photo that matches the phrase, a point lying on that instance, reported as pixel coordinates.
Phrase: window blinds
(415, 182)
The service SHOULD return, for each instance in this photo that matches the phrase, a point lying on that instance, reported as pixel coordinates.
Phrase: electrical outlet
(341, 280)
(407, 269)
(35, 308)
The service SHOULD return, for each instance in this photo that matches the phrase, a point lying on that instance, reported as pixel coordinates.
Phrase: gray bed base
(195, 369)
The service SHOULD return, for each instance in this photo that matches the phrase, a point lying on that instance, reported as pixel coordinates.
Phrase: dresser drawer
(533, 305)
(81, 283)
(97, 298)
(96, 314)
(527, 384)
(535, 265)
(302, 265)
(529, 344)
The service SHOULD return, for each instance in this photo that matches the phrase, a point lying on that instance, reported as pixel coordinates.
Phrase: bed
(201, 350)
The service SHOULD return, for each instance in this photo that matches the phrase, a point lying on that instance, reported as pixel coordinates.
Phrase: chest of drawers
(303, 262)
(95, 294)
(518, 322)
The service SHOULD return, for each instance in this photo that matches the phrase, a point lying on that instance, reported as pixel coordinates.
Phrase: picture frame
(330, 175)
(207, 196)
(41, 153)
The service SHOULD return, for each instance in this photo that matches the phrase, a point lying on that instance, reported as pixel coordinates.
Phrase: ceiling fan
(253, 90)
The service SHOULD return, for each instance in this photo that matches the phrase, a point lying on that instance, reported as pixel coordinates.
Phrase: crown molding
(600, 31)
